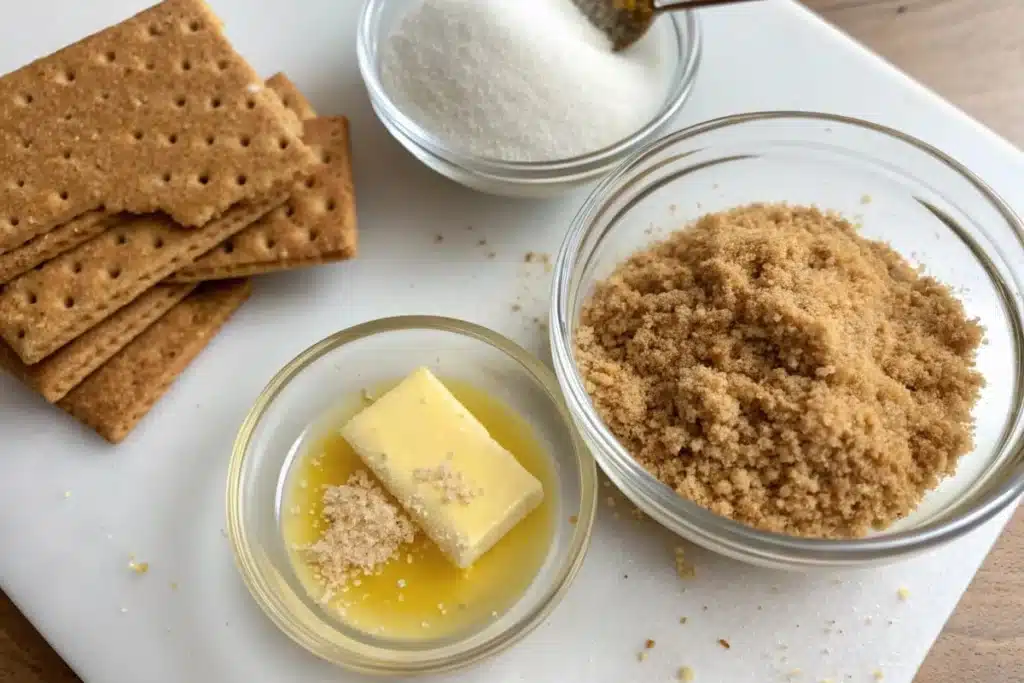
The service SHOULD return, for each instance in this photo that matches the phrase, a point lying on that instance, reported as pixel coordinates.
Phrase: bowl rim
(687, 518)
(452, 655)
(689, 50)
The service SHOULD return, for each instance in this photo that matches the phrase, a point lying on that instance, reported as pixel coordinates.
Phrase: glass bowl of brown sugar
(795, 339)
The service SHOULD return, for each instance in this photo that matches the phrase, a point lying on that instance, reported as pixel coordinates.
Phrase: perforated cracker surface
(48, 307)
(62, 371)
(291, 97)
(316, 225)
(45, 247)
(119, 394)
(157, 113)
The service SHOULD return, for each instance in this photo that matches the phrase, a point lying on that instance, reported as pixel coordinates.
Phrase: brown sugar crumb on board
(774, 366)
(123, 120)
(366, 530)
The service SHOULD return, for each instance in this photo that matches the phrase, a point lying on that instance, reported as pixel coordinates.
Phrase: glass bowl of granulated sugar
(795, 339)
(520, 98)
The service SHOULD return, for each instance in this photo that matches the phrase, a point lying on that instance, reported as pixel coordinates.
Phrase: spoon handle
(671, 5)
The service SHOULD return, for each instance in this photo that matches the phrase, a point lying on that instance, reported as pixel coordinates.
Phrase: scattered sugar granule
(365, 531)
(877, 675)
(641, 656)
(124, 610)
(684, 569)
(67, 494)
(401, 583)
(903, 593)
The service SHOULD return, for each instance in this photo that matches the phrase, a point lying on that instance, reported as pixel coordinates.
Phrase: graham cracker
(157, 113)
(45, 247)
(62, 371)
(114, 398)
(291, 97)
(46, 308)
(316, 225)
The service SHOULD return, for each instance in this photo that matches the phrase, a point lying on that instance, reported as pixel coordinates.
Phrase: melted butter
(421, 594)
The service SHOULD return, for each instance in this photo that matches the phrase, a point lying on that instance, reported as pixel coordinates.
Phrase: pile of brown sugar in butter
(774, 366)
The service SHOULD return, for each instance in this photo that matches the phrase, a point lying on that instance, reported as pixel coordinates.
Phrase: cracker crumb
(174, 585)
(67, 494)
(774, 366)
(648, 644)
(878, 675)
(516, 308)
(438, 239)
(573, 519)
(482, 243)
(138, 567)
(682, 620)
(685, 674)
(365, 531)
(492, 255)
(903, 593)
(641, 656)
(451, 484)
(865, 199)
(724, 643)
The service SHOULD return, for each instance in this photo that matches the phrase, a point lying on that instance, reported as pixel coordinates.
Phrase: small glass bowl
(338, 368)
(926, 204)
(520, 179)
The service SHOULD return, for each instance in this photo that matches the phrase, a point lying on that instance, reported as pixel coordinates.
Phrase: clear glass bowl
(928, 206)
(681, 30)
(337, 369)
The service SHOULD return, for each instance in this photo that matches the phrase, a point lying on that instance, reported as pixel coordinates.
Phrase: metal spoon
(626, 21)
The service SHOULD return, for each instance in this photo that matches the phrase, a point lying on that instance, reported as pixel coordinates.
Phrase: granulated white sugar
(520, 80)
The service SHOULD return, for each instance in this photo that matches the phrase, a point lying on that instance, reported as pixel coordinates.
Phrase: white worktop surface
(160, 496)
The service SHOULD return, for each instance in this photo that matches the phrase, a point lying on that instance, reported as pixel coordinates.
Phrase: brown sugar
(774, 366)
(366, 530)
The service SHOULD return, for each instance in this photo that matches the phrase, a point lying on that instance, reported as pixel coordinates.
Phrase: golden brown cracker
(45, 247)
(48, 307)
(157, 113)
(292, 98)
(114, 398)
(316, 225)
(59, 373)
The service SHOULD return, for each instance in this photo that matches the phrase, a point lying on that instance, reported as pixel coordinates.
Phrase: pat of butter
(461, 486)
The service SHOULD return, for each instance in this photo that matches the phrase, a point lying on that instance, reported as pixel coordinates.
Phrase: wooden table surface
(972, 53)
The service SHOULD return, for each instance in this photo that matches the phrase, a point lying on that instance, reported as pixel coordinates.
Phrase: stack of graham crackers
(144, 172)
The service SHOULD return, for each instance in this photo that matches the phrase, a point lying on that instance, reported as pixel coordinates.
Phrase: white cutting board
(160, 495)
